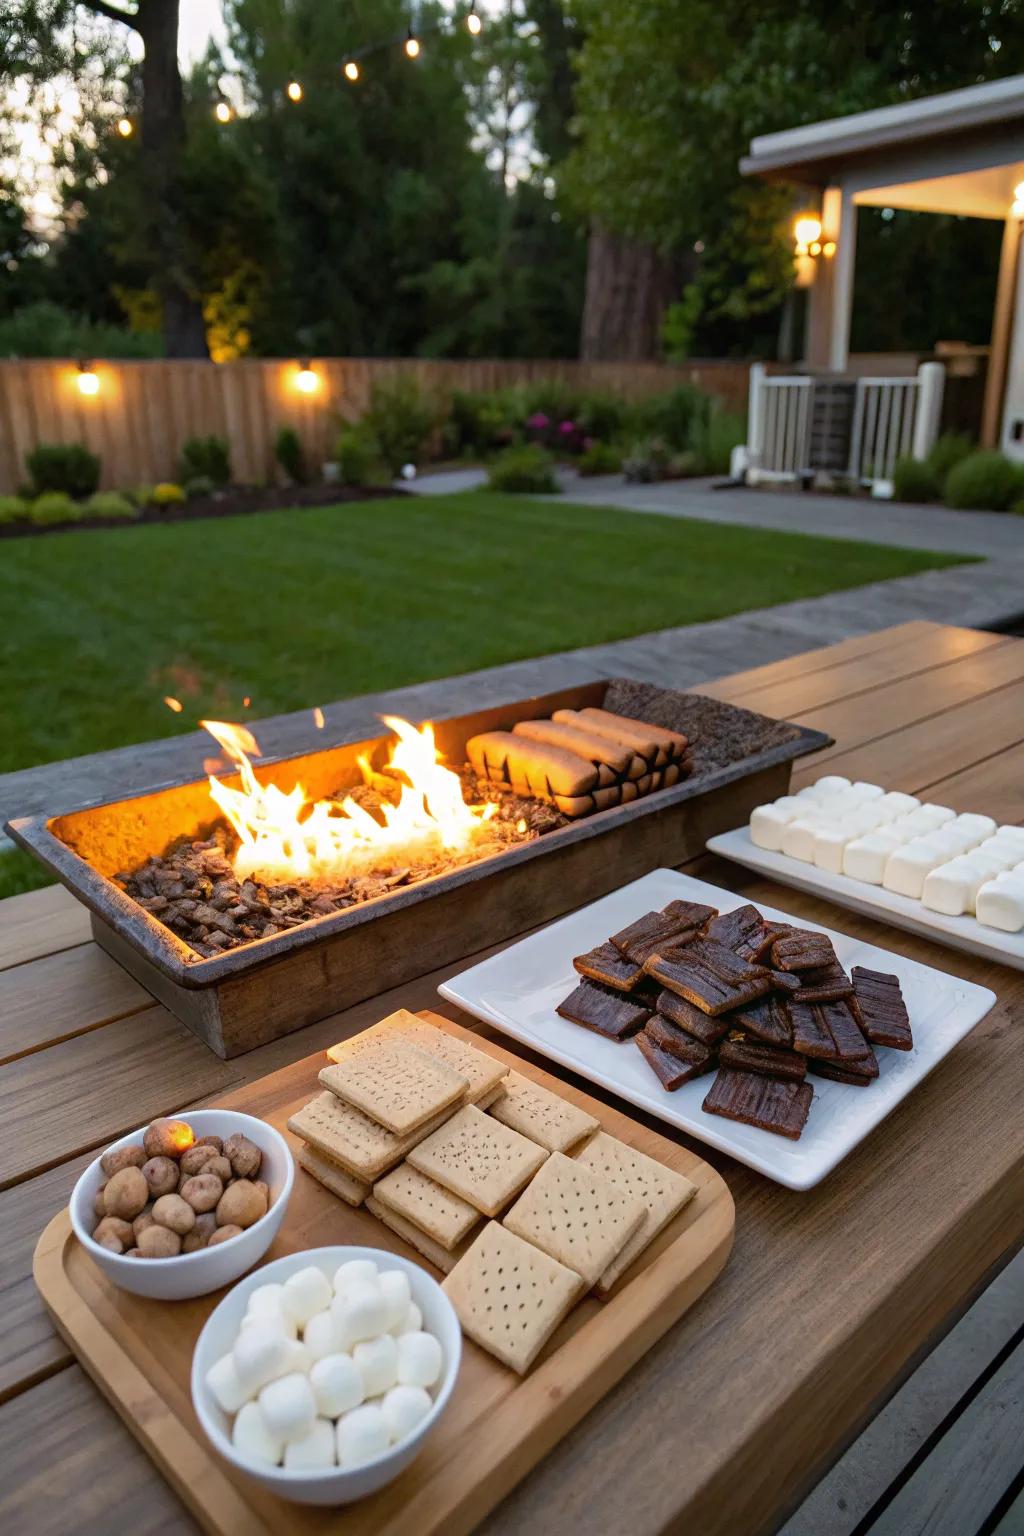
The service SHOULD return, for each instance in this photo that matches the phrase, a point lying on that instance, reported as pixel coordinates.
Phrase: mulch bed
(233, 501)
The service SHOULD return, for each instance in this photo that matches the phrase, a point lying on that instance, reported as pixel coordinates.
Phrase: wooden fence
(142, 412)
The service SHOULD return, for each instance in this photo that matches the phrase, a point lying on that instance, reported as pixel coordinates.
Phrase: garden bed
(233, 501)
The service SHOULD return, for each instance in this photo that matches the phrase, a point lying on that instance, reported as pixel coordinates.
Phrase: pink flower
(538, 420)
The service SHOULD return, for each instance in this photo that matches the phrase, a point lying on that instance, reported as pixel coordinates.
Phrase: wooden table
(830, 1297)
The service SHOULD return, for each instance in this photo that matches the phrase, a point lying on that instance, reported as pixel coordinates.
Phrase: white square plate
(517, 991)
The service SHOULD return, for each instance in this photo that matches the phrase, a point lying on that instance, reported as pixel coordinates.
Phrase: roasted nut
(202, 1191)
(264, 1189)
(196, 1158)
(240, 1205)
(174, 1212)
(99, 1204)
(161, 1174)
(206, 1224)
(168, 1138)
(133, 1253)
(113, 1243)
(224, 1234)
(210, 1141)
(192, 1242)
(113, 1226)
(159, 1242)
(143, 1220)
(126, 1193)
(243, 1155)
(122, 1157)
(220, 1168)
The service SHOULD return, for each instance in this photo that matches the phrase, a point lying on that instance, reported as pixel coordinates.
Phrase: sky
(200, 20)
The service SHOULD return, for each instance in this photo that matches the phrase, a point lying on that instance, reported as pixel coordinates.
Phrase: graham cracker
(362, 1147)
(662, 1191)
(536, 1112)
(509, 1296)
(445, 1217)
(481, 1071)
(398, 1085)
(332, 1176)
(477, 1157)
(576, 1216)
(410, 1233)
(493, 1096)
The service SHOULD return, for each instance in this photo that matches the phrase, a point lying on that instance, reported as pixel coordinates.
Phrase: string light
(294, 91)
(351, 70)
(88, 380)
(222, 112)
(412, 45)
(124, 127)
(305, 379)
(473, 23)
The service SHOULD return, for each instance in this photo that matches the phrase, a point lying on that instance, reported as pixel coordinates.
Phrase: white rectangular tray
(873, 900)
(518, 990)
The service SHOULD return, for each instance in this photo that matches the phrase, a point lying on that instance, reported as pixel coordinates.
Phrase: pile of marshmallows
(952, 864)
(354, 1384)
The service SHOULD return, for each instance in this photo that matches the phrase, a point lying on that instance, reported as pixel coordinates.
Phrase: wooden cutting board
(497, 1425)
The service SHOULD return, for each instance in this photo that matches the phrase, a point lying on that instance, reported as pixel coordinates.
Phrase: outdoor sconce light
(305, 379)
(88, 380)
(808, 246)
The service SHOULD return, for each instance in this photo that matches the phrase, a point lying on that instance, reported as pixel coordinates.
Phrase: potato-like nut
(210, 1141)
(241, 1205)
(192, 1242)
(206, 1224)
(224, 1234)
(126, 1193)
(143, 1220)
(202, 1191)
(196, 1158)
(220, 1168)
(264, 1189)
(243, 1155)
(113, 1243)
(159, 1242)
(133, 1253)
(168, 1138)
(174, 1212)
(123, 1157)
(161, 1174)
(113, 1226)
(99, 1203)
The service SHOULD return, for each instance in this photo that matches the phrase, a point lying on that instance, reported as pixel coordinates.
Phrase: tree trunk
(628, 288)
(163, 138)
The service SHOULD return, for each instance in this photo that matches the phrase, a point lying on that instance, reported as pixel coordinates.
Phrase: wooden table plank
(41, 923)
(62, 995)
(993, 787)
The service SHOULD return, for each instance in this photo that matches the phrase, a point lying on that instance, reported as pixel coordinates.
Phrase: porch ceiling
(980, 194)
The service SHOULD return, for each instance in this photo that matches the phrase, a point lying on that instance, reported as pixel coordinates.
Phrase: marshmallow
(260, 1354)
(305, 1293)
(831, 783)
(909, 864)
(222, 1380)
(337, 1385)
(982, 826)
(952, 888)
(362, 1270)
(395, 1285)
(315, 1450)
(288, 1407)
(360, 1312)
(299, 1357)
(275, 1320)
(412, 1322)
(320, 1335)
(265, 1301)
(865, 858)
(767, 824)
(828, 847)
(419, 1360)
(937, 813)
(897, 801)
(865, 791)
(403, 1409)
(251, 1437)
(1001, 902)
(362, 1435)
(377, 1363)
(798, 839)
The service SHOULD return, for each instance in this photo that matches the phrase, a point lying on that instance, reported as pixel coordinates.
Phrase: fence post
(755, 418)
(931, 378)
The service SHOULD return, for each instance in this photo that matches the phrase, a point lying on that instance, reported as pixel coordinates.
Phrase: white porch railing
(892, 418)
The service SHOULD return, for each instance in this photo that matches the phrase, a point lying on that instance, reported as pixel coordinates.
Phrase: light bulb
(294, 91)
(351, 70)
(412, 47)
(124, 127)
(222, 112)
(807, 229)
(305, 379)
(474, 23)
(88, 381)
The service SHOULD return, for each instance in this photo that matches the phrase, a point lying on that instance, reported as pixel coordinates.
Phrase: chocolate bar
(828, 1031)
(710, 976)
(882, 1012)
(701, 1025)
(824, 984)
(669, 1037)
(767, 1019)
(668, 1069)
(802, 950)
(677, 924)
(754, 1056)
(770, 1103)
(742, 930)
(607, 1013)
(858, 1074)
(606, 965)
(785, 981)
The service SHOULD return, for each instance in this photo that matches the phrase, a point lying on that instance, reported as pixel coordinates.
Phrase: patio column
(1002, 332)
(830, 300)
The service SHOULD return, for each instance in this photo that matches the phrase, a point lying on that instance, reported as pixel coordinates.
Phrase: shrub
(400, 420)
(714, 437)
(13, 509)
(206, 456)
(947, 451)
(289, 454)
(47, 330)
(54, 507)
(914, 480)
(984, 482)
(600, 459)
(357, 456)
(67, 467)
(527, 470)
(646, 461)
(110, 504)
(166, 494)
(478, 422)
(602, 416)
(199, 485)
(676, 417)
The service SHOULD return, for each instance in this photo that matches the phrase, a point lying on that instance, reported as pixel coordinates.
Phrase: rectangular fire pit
(245, 996)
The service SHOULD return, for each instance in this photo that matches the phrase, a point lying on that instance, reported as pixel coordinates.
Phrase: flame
(288, 836)
(174, 704)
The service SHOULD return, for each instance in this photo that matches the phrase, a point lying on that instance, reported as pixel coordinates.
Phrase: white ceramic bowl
(193, 1274)
(333, 1485)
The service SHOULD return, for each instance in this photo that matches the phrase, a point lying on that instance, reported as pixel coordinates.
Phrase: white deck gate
(892, 418)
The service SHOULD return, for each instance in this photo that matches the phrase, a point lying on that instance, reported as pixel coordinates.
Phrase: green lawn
(302, 607)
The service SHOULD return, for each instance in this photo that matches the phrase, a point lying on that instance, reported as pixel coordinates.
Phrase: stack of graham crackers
(514, 1192)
